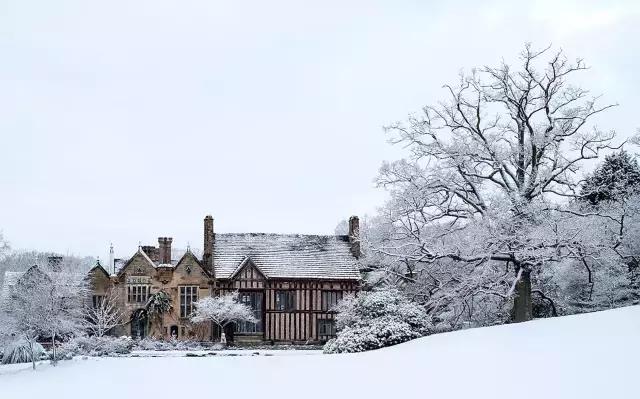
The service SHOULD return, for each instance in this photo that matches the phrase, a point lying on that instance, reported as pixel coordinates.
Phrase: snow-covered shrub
(19, 352)
(96, 346)
(375, 320)
(151, 344)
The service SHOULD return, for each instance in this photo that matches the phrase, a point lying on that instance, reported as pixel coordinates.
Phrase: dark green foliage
(158, 304)
(614, 180)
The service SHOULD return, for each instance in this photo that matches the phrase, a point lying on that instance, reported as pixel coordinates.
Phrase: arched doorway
(139, 322)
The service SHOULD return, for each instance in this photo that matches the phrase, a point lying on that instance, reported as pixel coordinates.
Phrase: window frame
(257, 297)
(322, 325)
(97, 300)
(138, 293)
(290, 304)
(186, 307)
(326, 296)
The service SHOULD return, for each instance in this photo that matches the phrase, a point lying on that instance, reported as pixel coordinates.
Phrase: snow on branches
(47, 302)
(376, 319)
(479, 208)
(222, 310)
(105, 315)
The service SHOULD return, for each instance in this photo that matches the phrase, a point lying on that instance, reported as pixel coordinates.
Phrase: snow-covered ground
(586, 356)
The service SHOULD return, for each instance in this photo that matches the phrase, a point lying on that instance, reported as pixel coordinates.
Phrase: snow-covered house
(9, 284)
(291, 281)
(12, 279)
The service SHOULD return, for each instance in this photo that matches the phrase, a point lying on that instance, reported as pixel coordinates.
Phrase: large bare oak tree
(506, 145)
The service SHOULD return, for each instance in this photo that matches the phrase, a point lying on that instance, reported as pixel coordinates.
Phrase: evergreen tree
(614, 180)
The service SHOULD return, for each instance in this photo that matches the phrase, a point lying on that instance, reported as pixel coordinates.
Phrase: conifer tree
(614, 180)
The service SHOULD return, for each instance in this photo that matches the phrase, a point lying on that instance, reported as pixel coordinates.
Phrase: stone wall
(140, 273)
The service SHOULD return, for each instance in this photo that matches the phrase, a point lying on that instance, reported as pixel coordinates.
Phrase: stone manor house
(290, 281)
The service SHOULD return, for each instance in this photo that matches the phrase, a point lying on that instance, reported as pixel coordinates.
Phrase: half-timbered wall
(301, 323)
(297, 325)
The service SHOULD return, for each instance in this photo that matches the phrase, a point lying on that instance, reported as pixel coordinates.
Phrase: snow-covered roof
(286, 255)
(155, 264)
(176, 255)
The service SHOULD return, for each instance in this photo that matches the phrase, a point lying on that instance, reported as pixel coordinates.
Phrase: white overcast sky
(121, 121)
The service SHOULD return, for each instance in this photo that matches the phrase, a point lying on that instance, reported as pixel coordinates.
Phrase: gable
(98, 271)
(190, 265)
(99, 279)
(247, 270)
(138, 265)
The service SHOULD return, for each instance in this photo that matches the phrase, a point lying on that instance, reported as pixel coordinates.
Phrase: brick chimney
(354, 235)
(152, 252)
(207, 255)
(164, 249)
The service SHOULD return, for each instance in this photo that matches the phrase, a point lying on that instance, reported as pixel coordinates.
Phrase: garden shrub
(377, 319)
(19, 352)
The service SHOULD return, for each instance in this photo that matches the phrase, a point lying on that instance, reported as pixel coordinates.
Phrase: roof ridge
(282, 234)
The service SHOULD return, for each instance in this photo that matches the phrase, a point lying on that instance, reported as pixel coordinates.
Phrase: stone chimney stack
(54, 262)
(354, 236)
(164, 248)
(207, 255)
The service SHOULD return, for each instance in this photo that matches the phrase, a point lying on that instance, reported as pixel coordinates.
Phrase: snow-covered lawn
(586, 356)
(227, 352)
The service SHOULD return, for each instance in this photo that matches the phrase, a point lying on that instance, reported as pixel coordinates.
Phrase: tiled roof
(11, 279)
(176, 255)
(286, 255)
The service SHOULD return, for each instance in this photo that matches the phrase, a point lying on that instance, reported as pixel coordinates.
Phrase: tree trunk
(522, 306)
(229, 332)
(53, 349)
(33, 357)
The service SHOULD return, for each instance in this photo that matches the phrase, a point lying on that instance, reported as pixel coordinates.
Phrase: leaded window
(330, 299)
(327, 327)
(253, 299)
(188, 295)
(285, 301)
(97, 300)
(137, 293)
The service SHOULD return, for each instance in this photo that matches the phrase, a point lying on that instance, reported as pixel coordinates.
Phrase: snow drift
(583, 356)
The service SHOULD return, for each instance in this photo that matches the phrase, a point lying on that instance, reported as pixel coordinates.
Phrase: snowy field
(585, 356)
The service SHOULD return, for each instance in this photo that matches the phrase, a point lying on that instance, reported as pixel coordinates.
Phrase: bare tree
(499, 153)
(23, 309)
(62, 298)
(105, 314)
(47, 302)
(4, 246)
